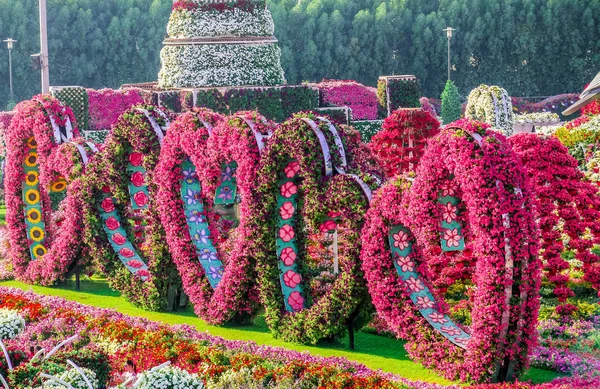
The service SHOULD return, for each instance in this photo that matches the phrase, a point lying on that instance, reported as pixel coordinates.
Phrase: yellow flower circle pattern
(34, 216)
(31, 159)
(36, 234)
(32, 196)
(59, 185)
(31, 143)
(32, 178)
(39, 251)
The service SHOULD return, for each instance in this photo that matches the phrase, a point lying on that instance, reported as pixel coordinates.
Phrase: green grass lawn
(376, 352)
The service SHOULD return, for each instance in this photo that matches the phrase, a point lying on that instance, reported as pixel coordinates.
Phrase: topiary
(451, 106)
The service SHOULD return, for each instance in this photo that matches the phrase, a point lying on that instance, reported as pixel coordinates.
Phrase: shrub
(451, 106)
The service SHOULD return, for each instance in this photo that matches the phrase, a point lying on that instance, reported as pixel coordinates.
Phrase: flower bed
(567, 207)
(580, 136)
(361, 99)
(116, 338)
(491, 105)
(470, 171)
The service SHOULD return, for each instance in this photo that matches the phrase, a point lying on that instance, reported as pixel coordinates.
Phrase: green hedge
(368, 128)
(76, 98)
(404, 92)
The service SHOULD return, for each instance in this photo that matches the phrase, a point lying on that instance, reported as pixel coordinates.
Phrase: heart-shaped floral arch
(207, 160)
(474, 170)
(119, 186)
(43, 190)
(298, 192)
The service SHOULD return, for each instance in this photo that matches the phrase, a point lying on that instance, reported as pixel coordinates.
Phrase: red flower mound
(401, 143)
(566, 204)
(592, 108)
(361, 99)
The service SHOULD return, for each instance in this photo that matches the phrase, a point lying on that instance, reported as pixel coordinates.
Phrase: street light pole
(9, 43)
(44, 48)
(448, 31)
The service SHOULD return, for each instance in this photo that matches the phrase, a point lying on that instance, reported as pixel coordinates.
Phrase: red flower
(140, 199)
(288, 256)
(106, 189)
(327, 226)
(108, 205)
(296, 301)
(126, 252)
(288, 189)
(137, 178)
(287, 210)
(119, 239)
(291, 278)
(112, 223)
(135, 158)
(287, 233)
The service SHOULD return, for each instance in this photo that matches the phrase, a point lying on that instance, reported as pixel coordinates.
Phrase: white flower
(11, 324)
(169, 377)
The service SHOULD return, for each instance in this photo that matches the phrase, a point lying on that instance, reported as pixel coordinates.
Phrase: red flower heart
(108, 205)
(126, 252)
(287, 210)
(291, 278)
(119, 239)
(106, 189)
(135, 159)
(292, 169)
(286, 233)
(112, 223)
(288, 189)
(288, 256)
(140, 199)
(296, 301)
(137, 179)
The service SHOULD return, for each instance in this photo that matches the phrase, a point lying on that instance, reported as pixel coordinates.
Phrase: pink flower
(287, 210)
(291, 278)
(414, 284)
(136, 158)
(141, 199)
(288, 256)
(327, 226)
(437, 317)
(127, 253)
(288, 189)
(449, 188)
(142, 273)
(449, 213)
(292, 169)
(424, 302)
(137, 178)
(452, 237)
(401, 240)
(405, 263)
(119, 239)
(450, 330)
(112, 223)
(134, 263)
(287, 233)
(296, 301)
(107, 205)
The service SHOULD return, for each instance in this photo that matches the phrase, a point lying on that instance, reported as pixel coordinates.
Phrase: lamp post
(44, 48)
(448, 31)
(10, 42)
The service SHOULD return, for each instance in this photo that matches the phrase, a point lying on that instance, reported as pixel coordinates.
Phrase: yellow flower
(32, 196)
(32, 143)
(31, 159)
(39, 251)
(34, 216)
(32, 178)
(59, 185)
(36, 233)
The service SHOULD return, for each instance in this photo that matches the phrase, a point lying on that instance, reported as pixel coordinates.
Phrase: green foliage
(211, 99)
(171, 100)
(368, 128)
(451, 105)
(403, 93)
(77, 99)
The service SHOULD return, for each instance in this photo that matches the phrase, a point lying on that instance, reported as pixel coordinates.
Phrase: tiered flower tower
(218, 43)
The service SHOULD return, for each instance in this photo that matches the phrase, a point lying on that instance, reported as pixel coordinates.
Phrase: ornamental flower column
(215, 43)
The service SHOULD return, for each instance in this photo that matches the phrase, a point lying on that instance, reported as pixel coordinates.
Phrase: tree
(451, 105)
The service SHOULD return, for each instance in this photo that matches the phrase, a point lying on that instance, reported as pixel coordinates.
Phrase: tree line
(530, 47)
